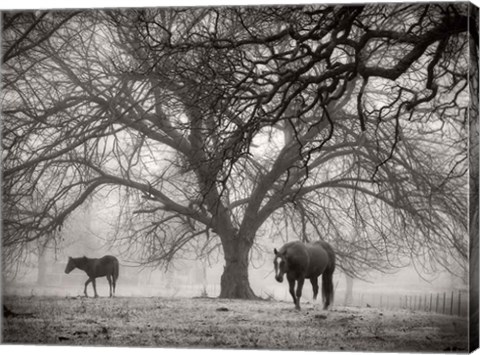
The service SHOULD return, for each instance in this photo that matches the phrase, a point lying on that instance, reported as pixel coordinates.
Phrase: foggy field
(215, 323)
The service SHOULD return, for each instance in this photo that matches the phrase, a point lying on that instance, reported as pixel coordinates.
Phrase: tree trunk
(42, 267)
(349, 291)
(234, 281)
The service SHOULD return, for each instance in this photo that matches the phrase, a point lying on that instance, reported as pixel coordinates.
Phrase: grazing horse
(105, 266)
(306, 261)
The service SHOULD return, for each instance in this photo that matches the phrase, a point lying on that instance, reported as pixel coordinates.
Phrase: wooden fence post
(444, 300)
(459, 303)
(451, 305)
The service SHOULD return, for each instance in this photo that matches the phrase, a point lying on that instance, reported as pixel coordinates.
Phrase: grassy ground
(214, 323)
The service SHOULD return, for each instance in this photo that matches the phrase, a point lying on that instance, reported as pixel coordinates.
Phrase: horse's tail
(116, 269)
(327, 276)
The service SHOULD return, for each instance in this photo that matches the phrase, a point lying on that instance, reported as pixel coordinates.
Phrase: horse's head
(280, 263)
(70, 265)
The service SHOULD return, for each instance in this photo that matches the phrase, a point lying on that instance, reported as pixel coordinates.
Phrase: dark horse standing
(105, 266)
(306, 261)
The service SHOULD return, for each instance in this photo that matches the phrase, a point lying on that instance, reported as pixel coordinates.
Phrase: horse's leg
(109, 278)
(86, 284)
(314, 281)
(94, 287)
(114, 284)
(300, 282)
(291, 283)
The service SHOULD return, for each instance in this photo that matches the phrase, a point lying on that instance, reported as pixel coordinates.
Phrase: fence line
(454, 303)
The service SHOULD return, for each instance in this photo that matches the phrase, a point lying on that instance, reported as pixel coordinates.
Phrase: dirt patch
(214, 323)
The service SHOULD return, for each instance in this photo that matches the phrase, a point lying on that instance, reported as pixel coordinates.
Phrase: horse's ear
(275, 251)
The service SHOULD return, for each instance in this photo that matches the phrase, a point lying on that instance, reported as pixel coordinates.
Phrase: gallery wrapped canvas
(195, 176)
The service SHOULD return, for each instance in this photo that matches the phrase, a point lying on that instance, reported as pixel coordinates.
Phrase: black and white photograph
(272, 176)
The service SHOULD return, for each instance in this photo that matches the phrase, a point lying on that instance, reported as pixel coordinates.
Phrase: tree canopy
(223, 126)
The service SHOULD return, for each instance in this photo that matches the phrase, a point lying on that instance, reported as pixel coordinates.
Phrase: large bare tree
(349, 121)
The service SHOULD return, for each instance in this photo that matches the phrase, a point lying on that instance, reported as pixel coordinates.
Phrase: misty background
(92, 231)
